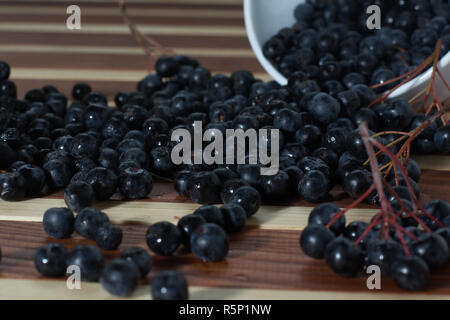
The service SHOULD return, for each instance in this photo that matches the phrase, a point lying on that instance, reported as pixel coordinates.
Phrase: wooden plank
(17, 289)
(99, 13)
(263, 259)
(125, 40)
(115, 63)
(100, 29)
(119, 50)
(88, 74)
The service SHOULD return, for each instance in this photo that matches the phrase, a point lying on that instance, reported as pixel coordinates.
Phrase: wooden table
(265, 261)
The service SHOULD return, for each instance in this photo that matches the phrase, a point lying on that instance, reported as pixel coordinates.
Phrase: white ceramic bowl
(264, 18)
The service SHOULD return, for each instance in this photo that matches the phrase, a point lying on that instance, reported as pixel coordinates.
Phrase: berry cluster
(405, 239)
(331, 41)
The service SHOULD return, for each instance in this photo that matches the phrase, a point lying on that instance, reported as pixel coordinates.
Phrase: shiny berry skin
(108, 237)
(439, 209)
(180, 182)
(163, 238)
(383, 253)
(4, 71)
(12, 186)
(78, 195)
(58, 222)
(135, 183)
(432, 248)
(354, 230)
(139, 257)
(166, 66)
(274, 187)
(34, 177)
(322, 215)
(95, 116)
(50, 260)
(345, 259)
(103, 181)
(161, 161)
(309, 136)
(84, 145)
(442, 139)
(410, 273)
(169, 285)
(88, 221)
(120, 277)
(234, 216)
(248, 198)
(211, 214)
(80, 90)
(209, 242)
(314, 240)
(187, 225)
(204, 187)
(313, 186)
(89, 259)
(324, 108)
(58, 173)
(357, 182)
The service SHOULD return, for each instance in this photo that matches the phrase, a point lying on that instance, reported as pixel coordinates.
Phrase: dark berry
(383, 253)
(103, 181)
(78, 195)
(345, 259)
(442, 139)
(50, 260)
(323, 213)
(120, 277)
(89, 259)
(163, 238)
(139, 257)
(314, 240)
(211, 214)
(135, 183)
(324, 108)
(12, 186)
(169, 285)
(58, 222)
(248, 198)
(108, 237)
(410, 273)
(80, 90)
(88, 221)
(34, 177)
(204, 187)
(187, 225)
(234, 216)
(313, 186)
(209, 242)
(432, 248)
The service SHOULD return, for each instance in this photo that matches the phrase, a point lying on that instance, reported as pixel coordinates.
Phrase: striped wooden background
(265, 261)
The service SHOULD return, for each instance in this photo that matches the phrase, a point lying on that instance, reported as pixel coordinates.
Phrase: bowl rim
(417, 82)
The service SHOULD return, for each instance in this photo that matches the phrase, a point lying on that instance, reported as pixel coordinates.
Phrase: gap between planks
(18, 289)
(154, 29)
(148, 212)
(132, 12)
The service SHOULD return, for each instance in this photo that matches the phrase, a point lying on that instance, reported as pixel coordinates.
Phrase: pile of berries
(348, 252)
(331, 40)
(93, 150)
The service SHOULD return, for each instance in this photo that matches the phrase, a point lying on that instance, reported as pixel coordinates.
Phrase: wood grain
(265, 261)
